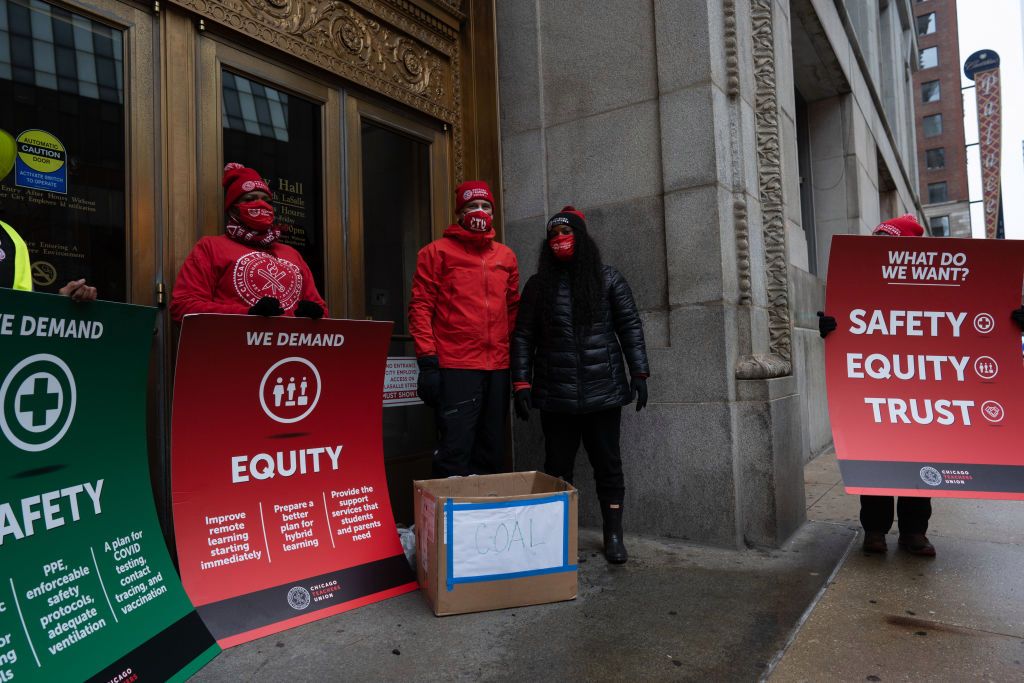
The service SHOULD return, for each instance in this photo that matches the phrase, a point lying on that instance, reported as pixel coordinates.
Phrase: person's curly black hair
(586, 281)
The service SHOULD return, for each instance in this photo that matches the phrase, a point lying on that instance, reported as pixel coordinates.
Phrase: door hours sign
(924, 370)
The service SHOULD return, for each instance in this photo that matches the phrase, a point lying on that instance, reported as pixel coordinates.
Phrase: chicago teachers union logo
(37, 402)
(931, 476)
(298, 598)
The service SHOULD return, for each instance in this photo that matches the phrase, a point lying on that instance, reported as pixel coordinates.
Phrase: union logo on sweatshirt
(258, 274)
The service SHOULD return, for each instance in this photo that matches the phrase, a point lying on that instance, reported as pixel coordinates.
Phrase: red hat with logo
(472, 190)
(904, 226)
(239, 180)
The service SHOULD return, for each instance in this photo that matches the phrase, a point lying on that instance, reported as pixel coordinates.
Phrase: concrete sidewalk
(684, 612)
(896, 617)
(675, 612)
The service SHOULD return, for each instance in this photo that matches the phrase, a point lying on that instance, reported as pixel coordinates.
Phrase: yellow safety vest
(15, 268)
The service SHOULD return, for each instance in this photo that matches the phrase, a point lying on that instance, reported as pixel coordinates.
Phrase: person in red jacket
(876, 512)
(246, 270)
(465, 294)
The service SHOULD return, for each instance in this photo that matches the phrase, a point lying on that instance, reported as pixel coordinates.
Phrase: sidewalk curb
(810, 608)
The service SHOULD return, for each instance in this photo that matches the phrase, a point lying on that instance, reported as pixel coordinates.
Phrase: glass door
(68, 98)
(285, 126)
(398, 202)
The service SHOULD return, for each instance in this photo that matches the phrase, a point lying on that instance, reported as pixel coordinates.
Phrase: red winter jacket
(221, 275)
(465, 294)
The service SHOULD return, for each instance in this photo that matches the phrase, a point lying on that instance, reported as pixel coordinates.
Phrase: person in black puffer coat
(577, 332)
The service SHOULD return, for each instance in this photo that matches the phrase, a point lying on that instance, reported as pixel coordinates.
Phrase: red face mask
(563, 246)
(477, 221)
(257, 216)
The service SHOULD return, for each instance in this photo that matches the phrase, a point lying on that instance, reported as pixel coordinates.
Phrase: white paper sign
(494, 541)
(400, 378)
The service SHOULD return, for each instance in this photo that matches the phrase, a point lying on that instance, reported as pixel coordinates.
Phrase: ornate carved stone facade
(769, 174)
(390, 46)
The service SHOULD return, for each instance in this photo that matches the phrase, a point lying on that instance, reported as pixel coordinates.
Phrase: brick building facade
(939, 115)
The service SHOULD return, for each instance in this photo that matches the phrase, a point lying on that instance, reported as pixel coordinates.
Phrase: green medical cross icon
(39, 401)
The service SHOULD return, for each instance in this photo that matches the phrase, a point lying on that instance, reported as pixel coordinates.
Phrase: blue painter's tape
(450, 507)
(512, 503)
(565, 534)
(449, 526)
(517, 575)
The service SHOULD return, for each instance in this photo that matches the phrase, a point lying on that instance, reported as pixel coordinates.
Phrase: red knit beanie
(472, 190)
(571, 216)
(239, 180)
(904, 226)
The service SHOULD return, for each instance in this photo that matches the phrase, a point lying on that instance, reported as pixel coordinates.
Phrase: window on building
(926, 24)
(929, 57)
(934, 159)
(930, 91)
(940, 226)
(938, 192)
(932, 125)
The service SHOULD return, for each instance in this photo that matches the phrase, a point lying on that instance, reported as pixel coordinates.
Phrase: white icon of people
(293, 389)
(280, 389)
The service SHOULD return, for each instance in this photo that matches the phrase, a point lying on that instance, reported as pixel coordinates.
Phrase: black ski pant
(471, 421)
(876, 513)
(599, 432)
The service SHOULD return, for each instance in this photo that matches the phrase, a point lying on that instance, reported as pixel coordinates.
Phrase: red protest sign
(924, 370)
(281, 508)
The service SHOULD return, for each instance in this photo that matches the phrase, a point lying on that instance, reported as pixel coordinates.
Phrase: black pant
(913, 514)
(600, 434)
(474, 407)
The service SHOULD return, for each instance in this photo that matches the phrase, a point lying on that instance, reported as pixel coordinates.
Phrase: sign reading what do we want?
(924, 369)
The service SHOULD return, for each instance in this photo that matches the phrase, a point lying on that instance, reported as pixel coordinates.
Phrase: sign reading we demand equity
(925, 369)
(281, 508)
(87, 588)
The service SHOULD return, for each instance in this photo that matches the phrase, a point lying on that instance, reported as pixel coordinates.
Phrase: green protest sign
(87, 588)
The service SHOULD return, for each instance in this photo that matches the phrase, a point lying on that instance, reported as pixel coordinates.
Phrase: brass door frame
(357, 109)
(214, 55)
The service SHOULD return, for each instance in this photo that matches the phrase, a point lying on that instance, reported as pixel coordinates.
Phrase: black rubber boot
(614, 548)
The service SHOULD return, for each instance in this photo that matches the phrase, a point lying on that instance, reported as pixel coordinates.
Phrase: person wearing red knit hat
(913, 512)
(876, 512)
(577, 333)
(465, 294)
(246, 270)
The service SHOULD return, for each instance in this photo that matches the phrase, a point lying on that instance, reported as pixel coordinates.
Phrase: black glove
(267, 306)
(639, 388)
(1018, 317)
(826, 324)
(309, 309)
(428, 386)
(523, 403)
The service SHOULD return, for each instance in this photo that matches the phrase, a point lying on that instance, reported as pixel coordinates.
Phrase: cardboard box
(495, 541)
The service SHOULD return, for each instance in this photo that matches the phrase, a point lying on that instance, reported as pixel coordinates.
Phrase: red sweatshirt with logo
(221, 275)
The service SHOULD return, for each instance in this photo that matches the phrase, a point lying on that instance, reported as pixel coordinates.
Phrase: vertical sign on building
(982, 67)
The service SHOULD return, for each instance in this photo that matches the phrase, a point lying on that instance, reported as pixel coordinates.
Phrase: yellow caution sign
(41, 162)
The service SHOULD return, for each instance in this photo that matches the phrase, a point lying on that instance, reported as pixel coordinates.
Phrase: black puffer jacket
(579, 370)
